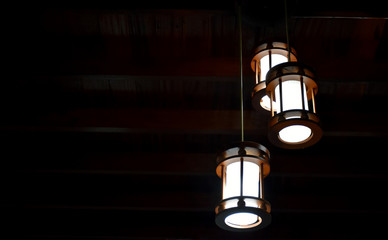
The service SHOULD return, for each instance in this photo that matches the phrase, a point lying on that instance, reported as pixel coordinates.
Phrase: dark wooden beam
(190, 192)
(63, 205)
(169, 121)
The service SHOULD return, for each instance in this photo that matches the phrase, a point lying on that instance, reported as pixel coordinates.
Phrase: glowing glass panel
(250, 180)
(292, 96)
(242, 220)
(295, 133)
(264, 64)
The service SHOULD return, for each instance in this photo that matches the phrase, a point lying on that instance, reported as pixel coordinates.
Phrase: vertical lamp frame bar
(223, 174)
(313, 100)
(241, 176)
(302, 92)
(261, 181)
(271, 103)
(257, 73)
(281, 94)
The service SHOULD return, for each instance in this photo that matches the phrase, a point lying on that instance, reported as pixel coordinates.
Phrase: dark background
(112, 115)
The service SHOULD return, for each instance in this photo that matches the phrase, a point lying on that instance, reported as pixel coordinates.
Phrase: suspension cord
(241, 75)
(288, 38)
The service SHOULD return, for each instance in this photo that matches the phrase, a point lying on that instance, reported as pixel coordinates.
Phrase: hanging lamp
(292, 89)
(266, 56)
(242, 169)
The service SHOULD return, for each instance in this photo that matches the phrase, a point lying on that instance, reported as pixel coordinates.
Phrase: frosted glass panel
(250, 180)
(292, 96)
(241, 219)
(264, 64)
(295, 133)
(278, 59)
(232, 181)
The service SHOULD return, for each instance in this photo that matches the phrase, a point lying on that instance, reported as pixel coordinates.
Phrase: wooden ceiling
(113, 113)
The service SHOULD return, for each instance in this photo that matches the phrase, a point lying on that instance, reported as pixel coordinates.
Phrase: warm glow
(242, 220)
(232, 180)
(250, 180)
(292, 97)
(265, 103)
(294, 133)
(264, 64)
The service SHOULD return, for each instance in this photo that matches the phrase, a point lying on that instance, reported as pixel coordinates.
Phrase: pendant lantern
(292, 89)
(242, 169)
(266, 56)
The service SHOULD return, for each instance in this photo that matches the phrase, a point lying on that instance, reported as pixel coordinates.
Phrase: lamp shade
(266, 56)
(292, 89)
(242, 169)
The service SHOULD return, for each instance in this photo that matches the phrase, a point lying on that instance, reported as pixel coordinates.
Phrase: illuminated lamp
(292, 89)
(242, 169)
(266, 56)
